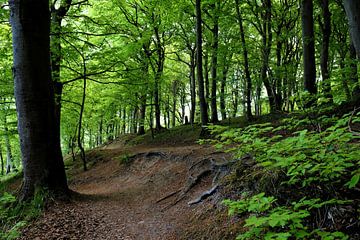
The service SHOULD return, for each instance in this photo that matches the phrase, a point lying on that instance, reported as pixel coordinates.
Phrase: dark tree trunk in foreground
(308, 46)
(352, 8)
(203, 107)
(40, 149)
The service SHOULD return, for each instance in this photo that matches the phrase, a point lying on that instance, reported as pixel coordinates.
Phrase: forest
(186, 119)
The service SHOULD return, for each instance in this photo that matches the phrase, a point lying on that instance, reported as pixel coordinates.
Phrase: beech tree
(308, 46)
(352, 8)
(40, 148)
(199, 66)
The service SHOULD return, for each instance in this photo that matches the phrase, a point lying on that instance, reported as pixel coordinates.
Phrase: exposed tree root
(197, 171)
(204, 195)
(168, 196)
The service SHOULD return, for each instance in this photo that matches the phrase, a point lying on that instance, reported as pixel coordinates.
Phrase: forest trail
(121, 195)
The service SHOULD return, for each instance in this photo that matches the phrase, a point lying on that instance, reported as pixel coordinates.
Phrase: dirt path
(120, 201)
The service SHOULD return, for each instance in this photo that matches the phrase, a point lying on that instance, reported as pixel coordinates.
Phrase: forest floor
(137, 192)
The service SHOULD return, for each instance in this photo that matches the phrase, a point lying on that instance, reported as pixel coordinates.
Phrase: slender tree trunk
(278, 77)
(57, 15)
(352, 8)
(222, 91)
(354, 78)
(324, 61)
(258, 109)
(246, 62)
(308, 47)
(134, 120)
(40, 148)
(214, 63)
(100, 138)
(158, 75)
(9, 158)
(206, 78)
(344, 78)
(235, 99)
(142, 114)
(267, 42)
(81, 147)
(124, 121)
(174, 91)
(203, 106)
(2, 162)
(192, 88)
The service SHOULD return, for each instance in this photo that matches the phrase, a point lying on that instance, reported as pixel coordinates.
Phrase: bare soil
(133, 193)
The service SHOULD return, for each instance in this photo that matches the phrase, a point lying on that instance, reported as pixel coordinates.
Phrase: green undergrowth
(296, 179)
(14, 215)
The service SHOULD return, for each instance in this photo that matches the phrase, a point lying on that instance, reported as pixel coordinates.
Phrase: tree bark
(352, 8)
(214, 63)
(192, 87)
(57, 15)
(40, 148)
(308, 46)
(9, 157)
(246, 62)
(81, 147)
(142, 114)
(174, 103)
(203, 107)
(324, 60)
(2, 161)
(222, 91)
(354, 78)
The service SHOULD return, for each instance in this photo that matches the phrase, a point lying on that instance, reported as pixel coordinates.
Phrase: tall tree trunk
(246, 62)
(174, 91)
(192, 87)
(9, 157)
(81, 147)
(207, 81)
(214, 63)
(344, 78)
(157, 102)
(308, 47)
(267, 42)
(134, 120)
(278, 77)
(100, 137)
(2, 161)
(40, 148)
(203, 107)
(324, 61)
(142, 114)
(222, 90)
(158, 75)
(352, 8)
(57, 16)
(354, 78)
(124, 121)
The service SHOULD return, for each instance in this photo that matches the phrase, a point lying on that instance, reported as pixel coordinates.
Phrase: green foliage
(267, 221)
(310, 153)
(15, 215)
